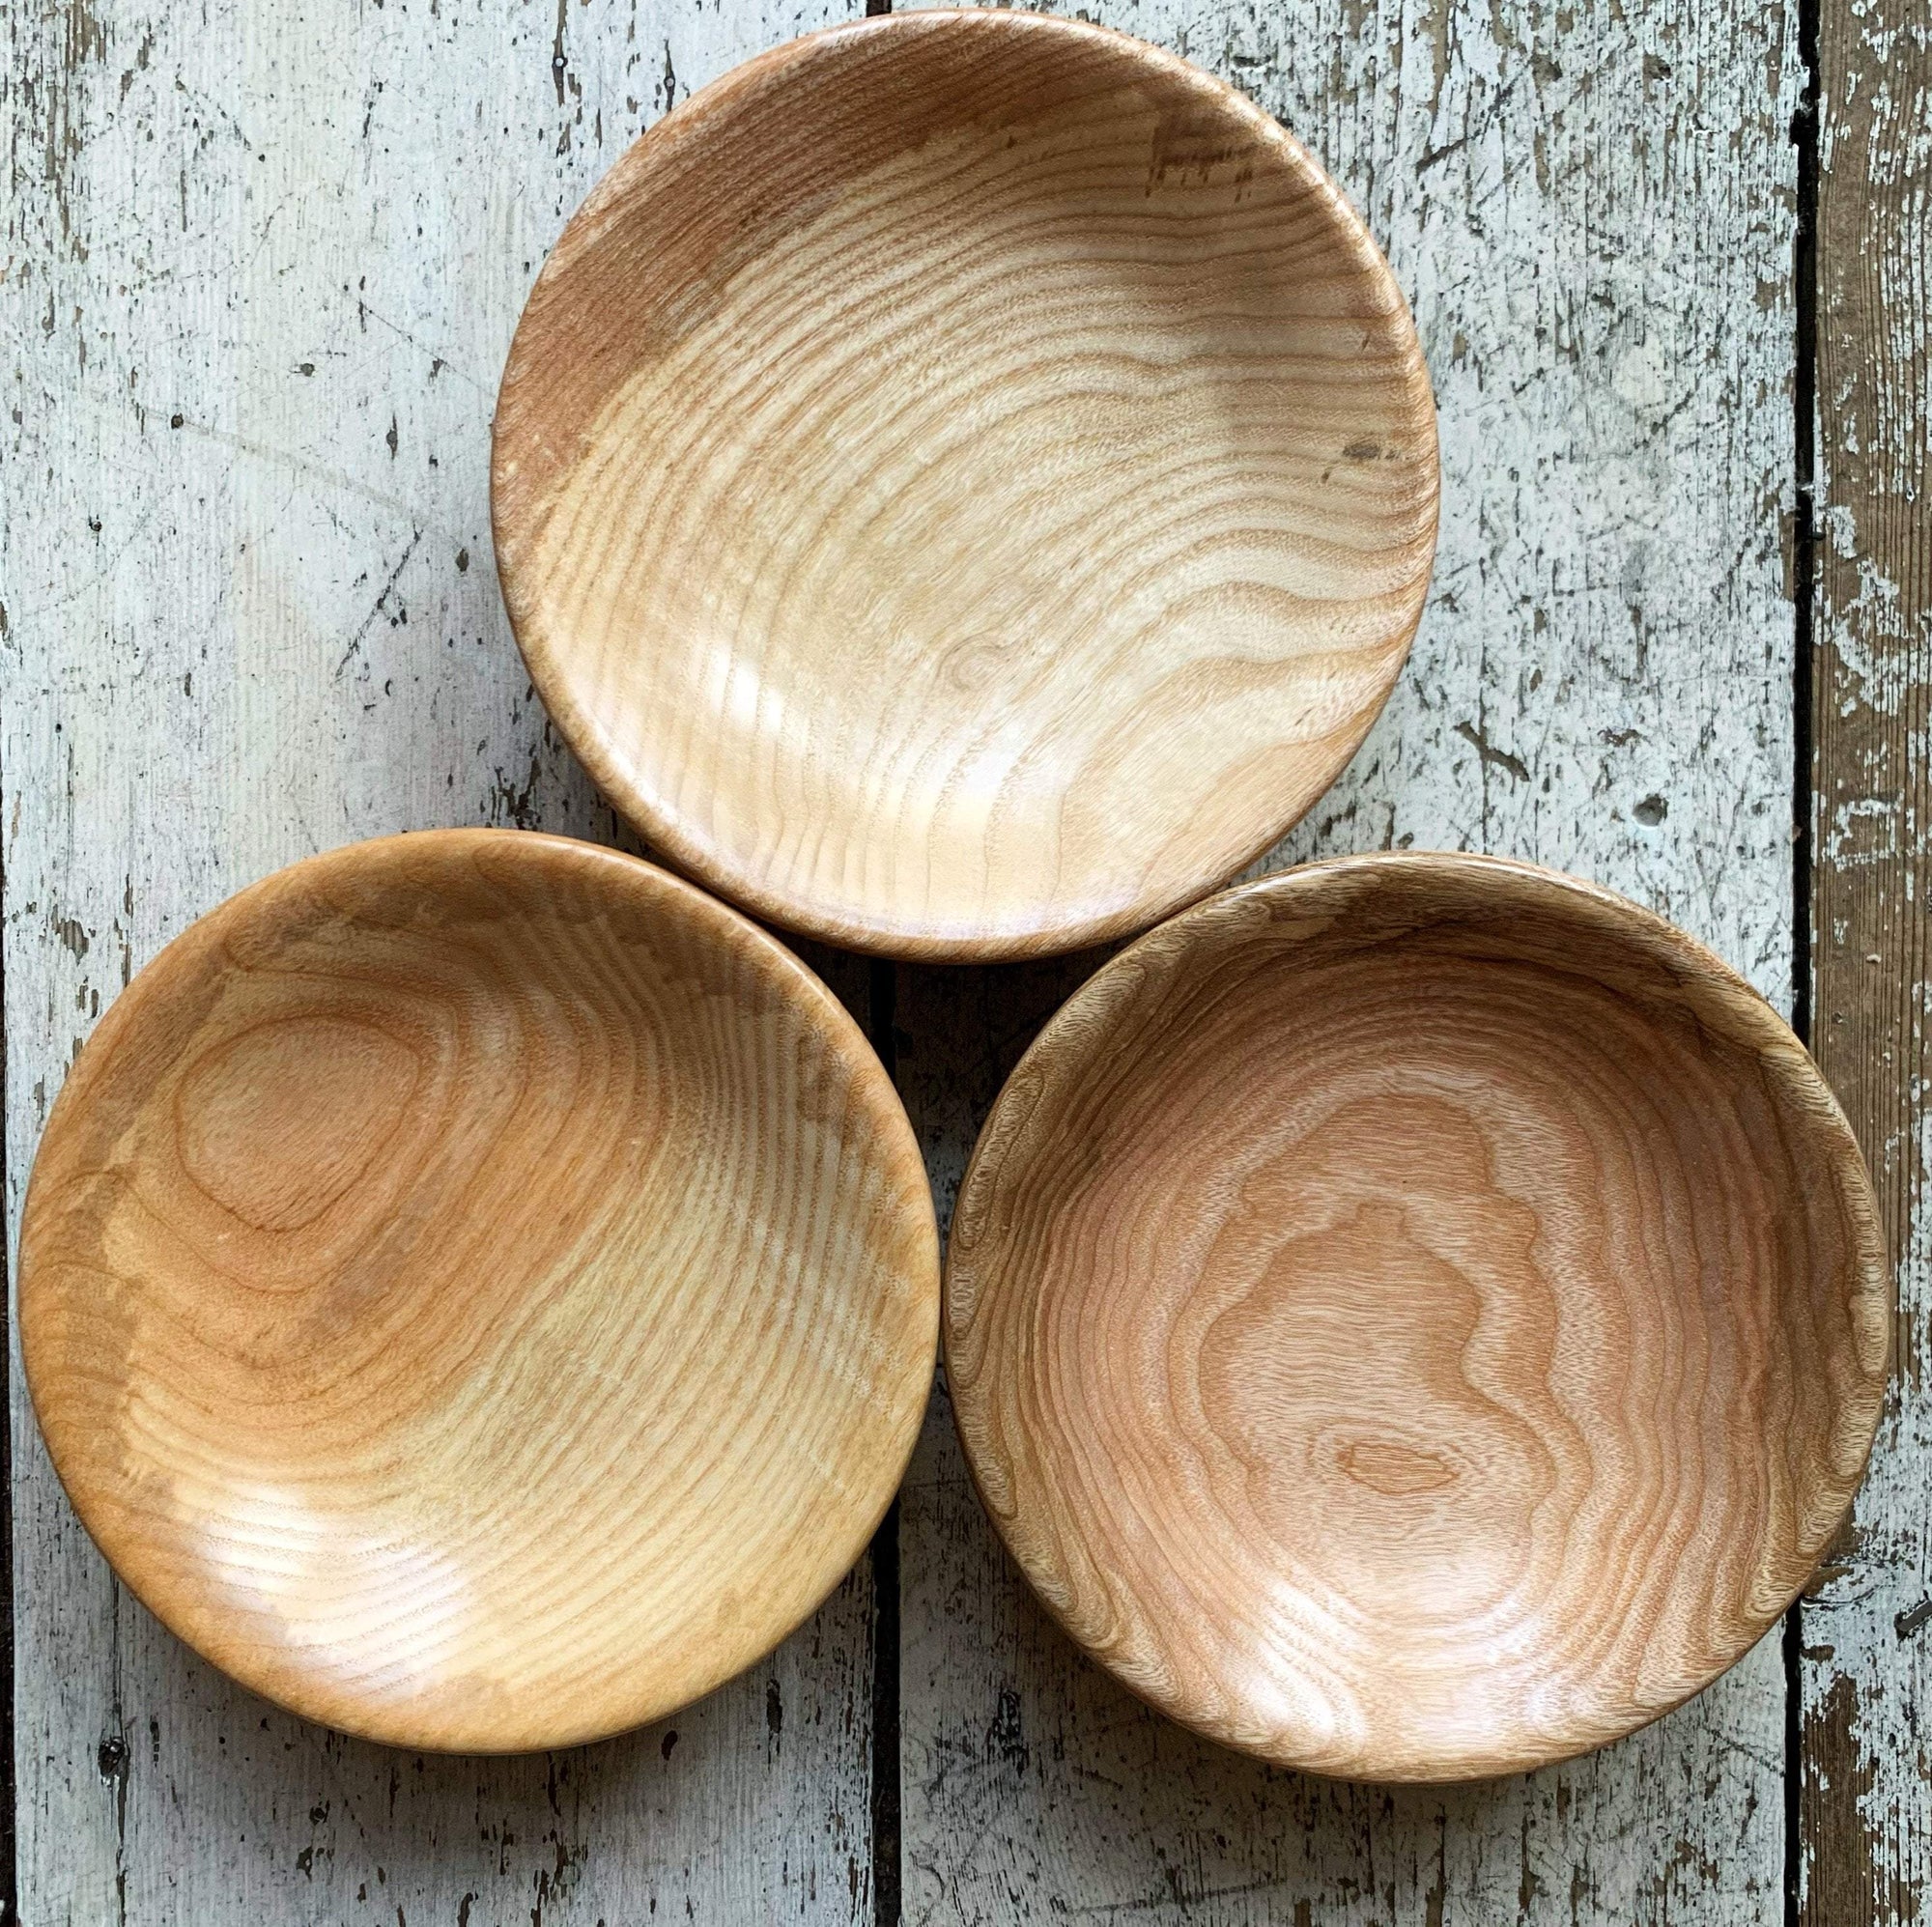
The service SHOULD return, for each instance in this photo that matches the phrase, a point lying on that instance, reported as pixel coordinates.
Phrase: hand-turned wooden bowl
(479, 1290)
(965, 483)
(1416, 1318)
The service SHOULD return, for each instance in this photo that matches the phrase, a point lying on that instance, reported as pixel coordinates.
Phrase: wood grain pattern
(1601, 681)
(965, 484)
(446, 1197)
(1866, 1649)
(1416, 1318)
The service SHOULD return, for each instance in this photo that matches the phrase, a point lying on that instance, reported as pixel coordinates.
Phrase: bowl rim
(896, 1150)
(1873, 1284)
(667, 827)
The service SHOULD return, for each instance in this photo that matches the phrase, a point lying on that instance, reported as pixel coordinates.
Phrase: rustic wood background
(262, 262)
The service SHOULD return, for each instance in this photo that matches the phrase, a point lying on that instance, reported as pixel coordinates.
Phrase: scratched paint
(261, 309)
(1866, 1630)
(1593, 211)
(264, 262)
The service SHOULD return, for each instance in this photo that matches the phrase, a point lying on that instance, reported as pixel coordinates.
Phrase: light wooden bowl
(965, 484)
(1416, 1318)
(478, 1291)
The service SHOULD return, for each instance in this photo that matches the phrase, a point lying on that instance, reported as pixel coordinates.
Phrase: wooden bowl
(965, 484)
(1416, 1318)
(478, 1291)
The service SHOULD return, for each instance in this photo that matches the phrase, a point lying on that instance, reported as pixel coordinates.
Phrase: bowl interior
(965, 483)
(477, 1291)
(1416, 1320)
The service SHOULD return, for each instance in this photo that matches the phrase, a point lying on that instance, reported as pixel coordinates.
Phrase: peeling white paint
(1599, 256)
(244, 624)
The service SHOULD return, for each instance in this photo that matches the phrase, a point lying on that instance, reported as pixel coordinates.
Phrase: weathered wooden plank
(263, 264)
(1593, 211)
(1866, 1649)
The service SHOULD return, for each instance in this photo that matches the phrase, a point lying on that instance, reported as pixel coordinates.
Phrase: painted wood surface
(1593, 213)
(1866, 1633)
(263, 265)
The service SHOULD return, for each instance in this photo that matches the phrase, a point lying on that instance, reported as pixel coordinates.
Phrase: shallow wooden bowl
(1416, 1318)
(965, 484)
(478, 1291)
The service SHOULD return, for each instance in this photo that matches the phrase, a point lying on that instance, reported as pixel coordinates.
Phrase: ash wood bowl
(1416, 1318)
(478, 1291)
(964, 484)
